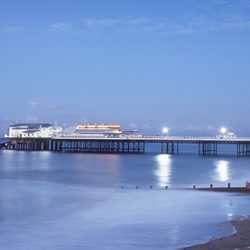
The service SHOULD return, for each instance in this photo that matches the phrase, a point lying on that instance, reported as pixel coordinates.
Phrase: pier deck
(168, 144)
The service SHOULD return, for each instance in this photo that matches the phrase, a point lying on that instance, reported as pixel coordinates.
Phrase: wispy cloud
(52, 106)
(189, 127)
(196, 24)
(132, 125)
(29, 118)
(116, 22)
(62, 27)
(33, 104)
(10, 30)
(146, 126)
(203, 16)
(125, 24)
(236, 22)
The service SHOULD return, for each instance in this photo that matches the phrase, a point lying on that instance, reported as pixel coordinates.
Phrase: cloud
(211, 127)
(10, 30)
(112, 22)
(62, 27)
(146, 126)
(31, 119)
(52, 106)
(202, 16)
(195, 128)
(191, 127)
(33, 104)
(189, 25)
(83, 120)
(132, 125)
(100, 23)
(236, 22)
(117, 25)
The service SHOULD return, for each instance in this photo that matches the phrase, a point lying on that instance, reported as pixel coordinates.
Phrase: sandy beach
(239, 240)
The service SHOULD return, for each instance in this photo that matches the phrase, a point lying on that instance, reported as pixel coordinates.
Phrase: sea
(96, 201)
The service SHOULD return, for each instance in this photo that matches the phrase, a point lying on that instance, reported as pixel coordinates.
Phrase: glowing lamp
(165, 130)
(223, 130)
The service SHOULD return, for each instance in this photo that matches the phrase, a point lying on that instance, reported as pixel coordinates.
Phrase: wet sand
(239, 240)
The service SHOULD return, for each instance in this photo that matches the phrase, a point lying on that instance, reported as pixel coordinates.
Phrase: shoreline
(239, 240)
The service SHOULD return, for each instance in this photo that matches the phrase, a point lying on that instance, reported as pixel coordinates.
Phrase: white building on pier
(97, 131)
(32, 130)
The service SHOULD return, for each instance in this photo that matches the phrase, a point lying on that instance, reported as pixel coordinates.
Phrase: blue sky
(140, 63)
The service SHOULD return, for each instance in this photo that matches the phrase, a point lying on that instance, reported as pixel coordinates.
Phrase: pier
(4, 144)
(135, 145)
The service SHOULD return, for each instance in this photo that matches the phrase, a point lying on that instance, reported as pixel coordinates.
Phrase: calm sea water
(75, 201)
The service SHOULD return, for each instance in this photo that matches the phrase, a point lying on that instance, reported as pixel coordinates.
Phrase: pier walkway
(127, 144)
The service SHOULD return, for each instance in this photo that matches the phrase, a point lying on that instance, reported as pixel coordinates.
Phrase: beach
(239, 240)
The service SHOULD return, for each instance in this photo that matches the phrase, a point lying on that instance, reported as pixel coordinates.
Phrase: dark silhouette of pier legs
(208, 148)
(170, 148)
(243, 149)
(98, 146)
(122, 145)
(31, 144)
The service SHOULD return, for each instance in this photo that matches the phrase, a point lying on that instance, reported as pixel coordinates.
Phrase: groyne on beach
(211, 188)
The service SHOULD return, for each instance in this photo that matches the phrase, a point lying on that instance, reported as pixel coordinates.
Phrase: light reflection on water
(222, 171)
(112, 170)
(163, 171)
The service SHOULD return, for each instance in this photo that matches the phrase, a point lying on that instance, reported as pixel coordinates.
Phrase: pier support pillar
(243, 149)
(208, 148)
(170, 147)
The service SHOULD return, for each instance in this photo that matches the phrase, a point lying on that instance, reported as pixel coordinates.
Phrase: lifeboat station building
(32, 130)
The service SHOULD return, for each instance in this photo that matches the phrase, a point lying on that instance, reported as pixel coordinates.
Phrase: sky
(143, 64)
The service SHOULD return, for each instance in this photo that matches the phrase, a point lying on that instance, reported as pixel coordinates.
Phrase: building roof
(31, 125)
